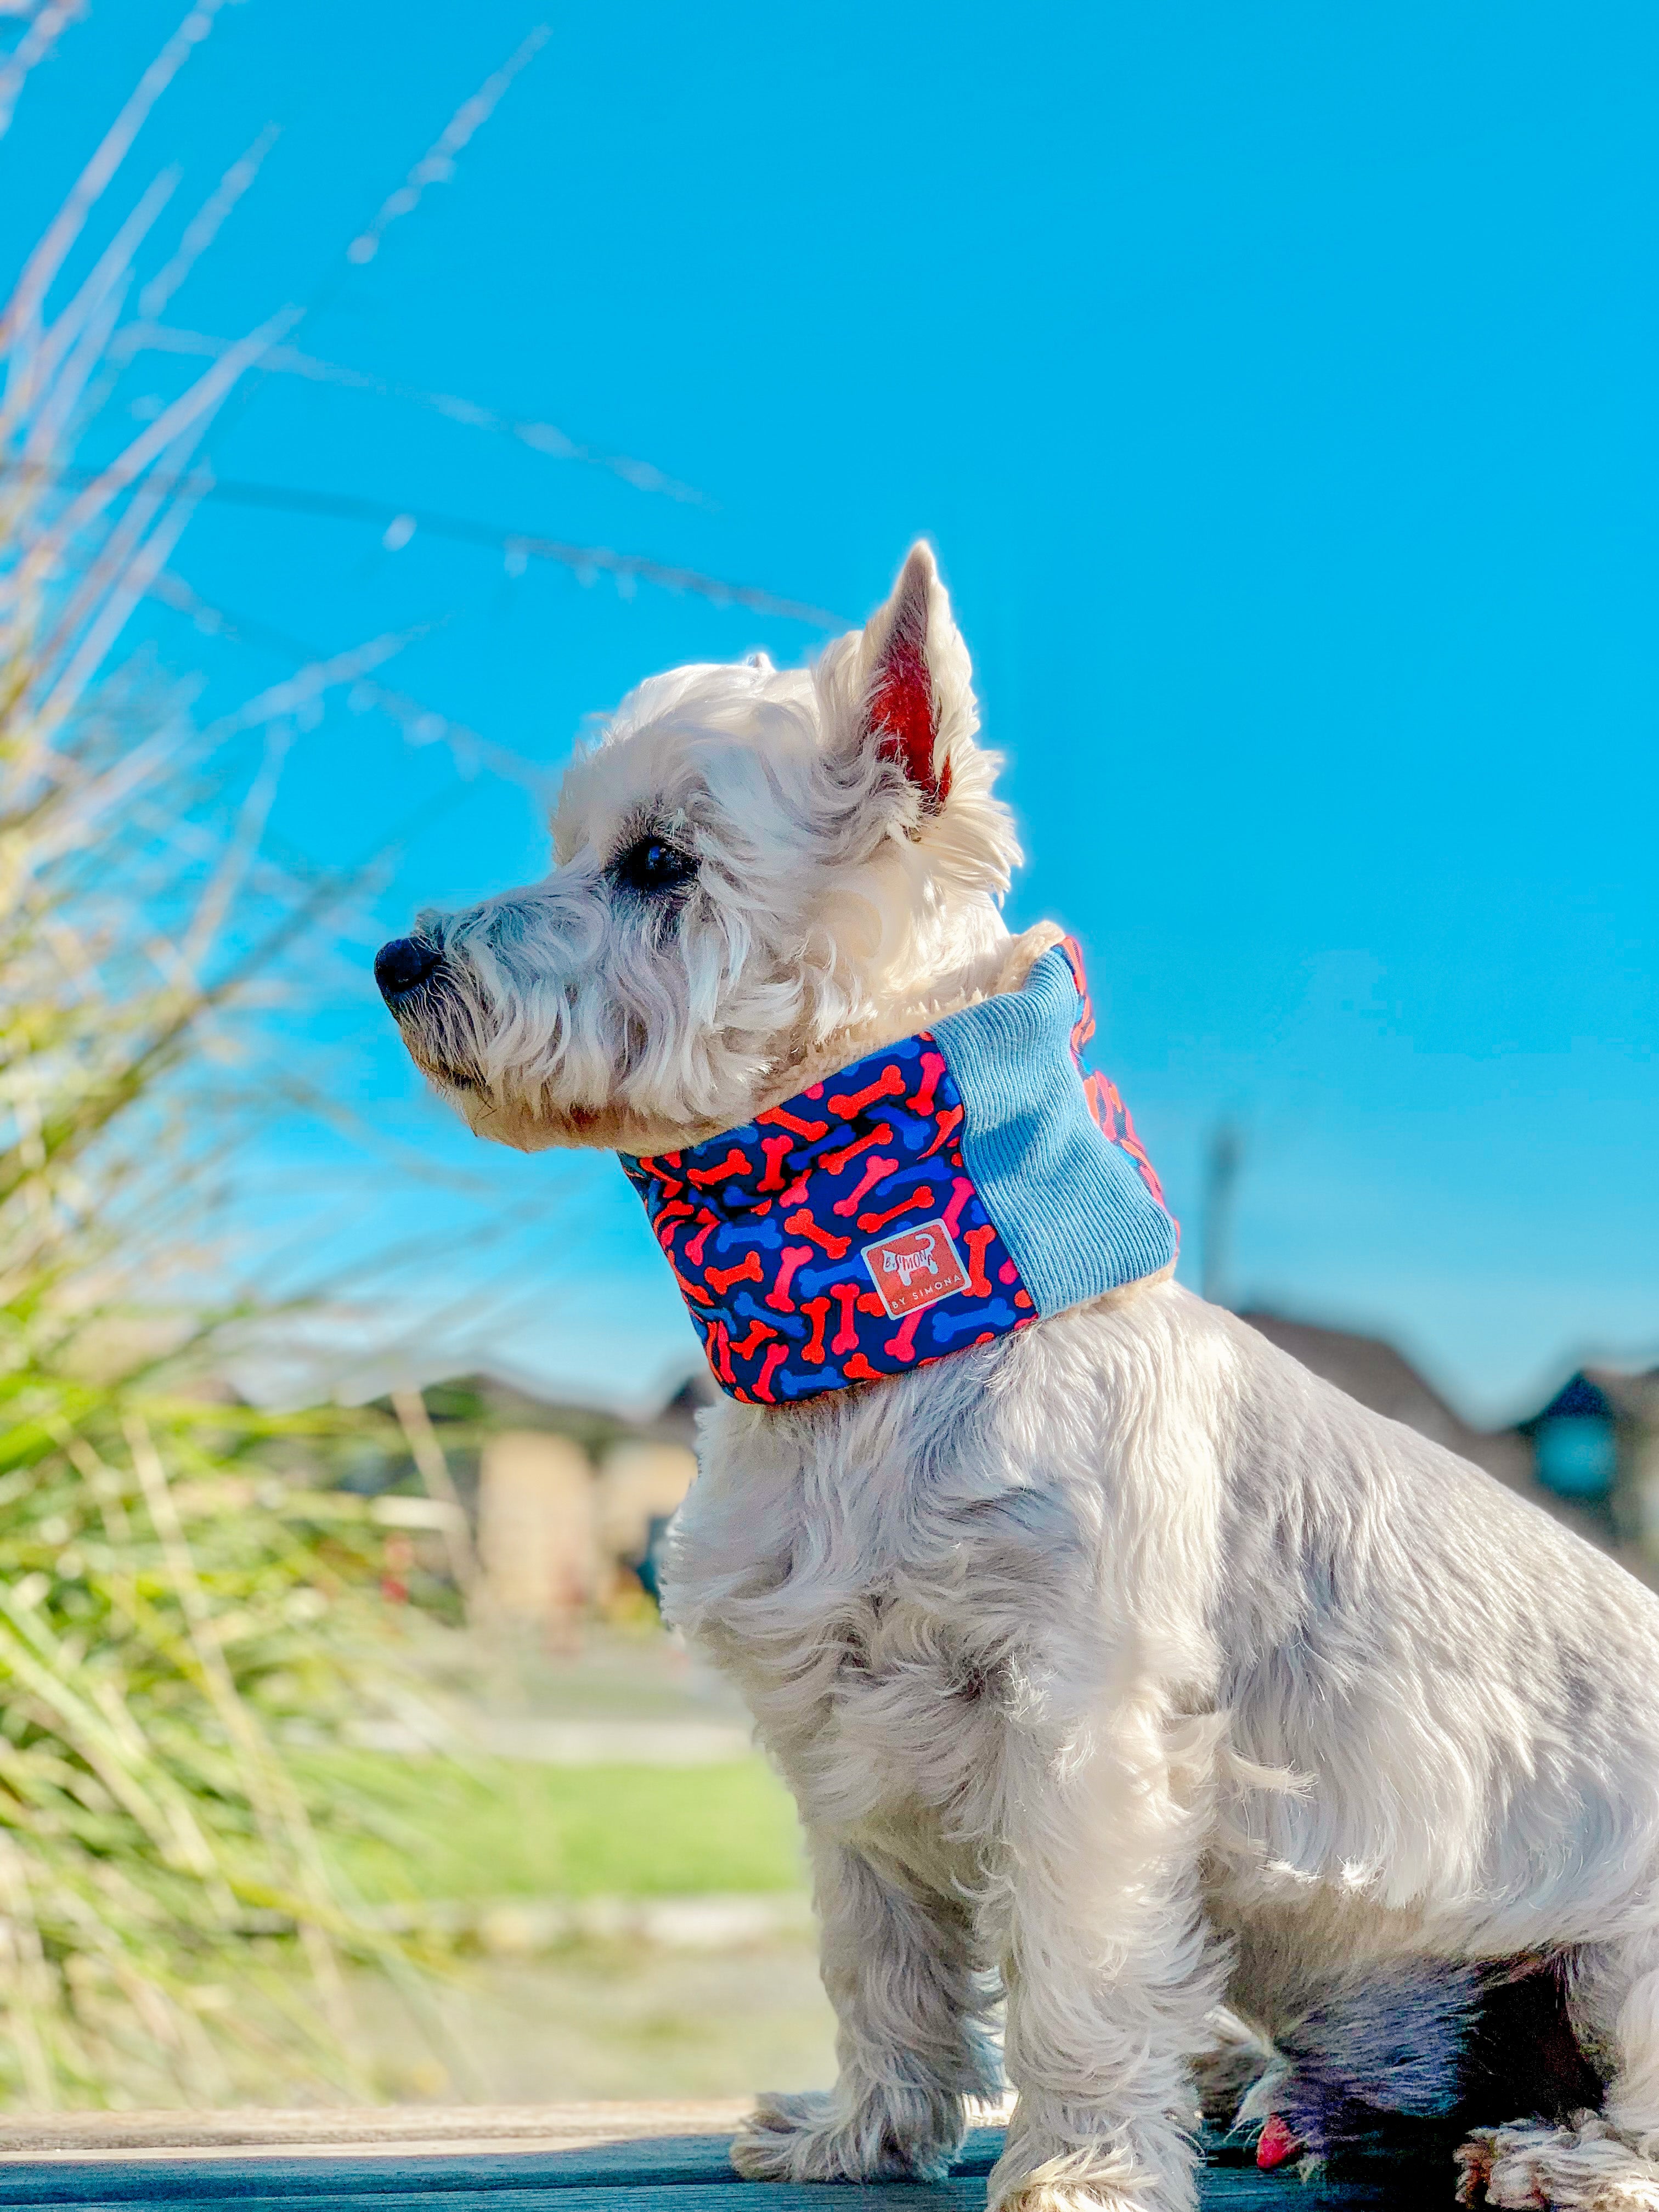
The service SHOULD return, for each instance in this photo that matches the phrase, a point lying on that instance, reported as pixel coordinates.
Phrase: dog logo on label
(915, 1267)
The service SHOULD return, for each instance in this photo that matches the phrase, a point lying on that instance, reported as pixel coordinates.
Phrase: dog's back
(1469, 1692)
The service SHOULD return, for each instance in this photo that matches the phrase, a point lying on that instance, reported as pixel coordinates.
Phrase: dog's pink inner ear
(900, 714)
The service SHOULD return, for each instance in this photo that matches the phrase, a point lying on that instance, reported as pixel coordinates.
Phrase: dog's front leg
(898, 1965)
(1110, 1974)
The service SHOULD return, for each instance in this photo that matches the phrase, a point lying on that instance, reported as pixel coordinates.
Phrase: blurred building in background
(567, 1503)
(537, 1532)
(1595, 1446)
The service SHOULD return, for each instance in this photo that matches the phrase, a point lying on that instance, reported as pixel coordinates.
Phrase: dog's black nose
(403, 966)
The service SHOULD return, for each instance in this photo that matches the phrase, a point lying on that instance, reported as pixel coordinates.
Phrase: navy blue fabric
(938, 1193)
(780, 1233)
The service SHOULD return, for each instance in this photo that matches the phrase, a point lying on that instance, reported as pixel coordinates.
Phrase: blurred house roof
(1604, 1393)
(504, 1401)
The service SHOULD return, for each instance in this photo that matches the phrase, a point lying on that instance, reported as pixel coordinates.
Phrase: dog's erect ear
(917, 697)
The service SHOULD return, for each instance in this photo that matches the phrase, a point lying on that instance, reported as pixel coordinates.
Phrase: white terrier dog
(1119, 1668)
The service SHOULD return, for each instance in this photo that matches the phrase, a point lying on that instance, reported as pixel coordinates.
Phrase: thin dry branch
(437, 165)
(203, 397)
(150, 336)
(20, 318)
(44, 27)
(206, 224)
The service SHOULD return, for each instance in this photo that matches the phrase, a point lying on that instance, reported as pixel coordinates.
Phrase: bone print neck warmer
(947, 1189)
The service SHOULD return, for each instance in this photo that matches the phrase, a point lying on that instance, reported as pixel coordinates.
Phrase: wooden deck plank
(659, 2161)
(663, 2162)
(390, 2130)
(627, 2158)
(1227, 2189)
(965, 2196)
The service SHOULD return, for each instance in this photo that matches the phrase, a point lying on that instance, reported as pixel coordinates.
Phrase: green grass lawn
(493, 1828)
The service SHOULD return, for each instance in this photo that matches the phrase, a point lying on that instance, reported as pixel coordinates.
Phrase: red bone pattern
(719, 1348)
(948, 1123)
(786, 1305)
(817, 1312)
(874, 1170)
(734, 1164)
(933, 1065)
(689, 1289)
(795, 1257)
(776, 1356)
(1111, 1115)
(777, 1151)
(808, 1130)
(918, 1200)
(960, 1191)
(890, 1083)
(802, 1224)
(846, 1296)
(785, 1302)
(835, 1162)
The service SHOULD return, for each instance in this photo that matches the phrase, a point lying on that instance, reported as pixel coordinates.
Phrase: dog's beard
(439, 1032)
(615, 1085)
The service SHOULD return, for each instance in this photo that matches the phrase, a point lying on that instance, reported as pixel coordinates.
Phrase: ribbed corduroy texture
(1070, 1204)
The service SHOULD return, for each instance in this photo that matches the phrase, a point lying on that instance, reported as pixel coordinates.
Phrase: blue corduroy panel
(1068, 1203)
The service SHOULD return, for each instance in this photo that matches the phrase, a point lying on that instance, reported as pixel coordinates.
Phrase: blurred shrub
(174, 1614)
(173, 1609)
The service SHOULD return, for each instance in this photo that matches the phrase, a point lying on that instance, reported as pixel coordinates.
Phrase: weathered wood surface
(569, 2158)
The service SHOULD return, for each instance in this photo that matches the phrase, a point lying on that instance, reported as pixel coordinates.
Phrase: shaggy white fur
(1117, 1666)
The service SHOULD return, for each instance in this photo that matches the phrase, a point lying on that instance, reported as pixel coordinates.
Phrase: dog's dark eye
(653, 865)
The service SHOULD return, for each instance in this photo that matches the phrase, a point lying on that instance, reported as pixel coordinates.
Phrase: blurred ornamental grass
(177, 1618)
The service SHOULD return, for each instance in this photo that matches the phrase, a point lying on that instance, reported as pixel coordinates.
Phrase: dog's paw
(1072, 2197)
(1587, 2167)
(814, 2137)
(1103, 2176)
(1098, 2194)
(1474, 2164)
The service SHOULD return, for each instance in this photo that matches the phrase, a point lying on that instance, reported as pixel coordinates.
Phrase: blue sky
(1277, 387)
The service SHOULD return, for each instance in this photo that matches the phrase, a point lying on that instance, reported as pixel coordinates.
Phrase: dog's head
(752, 869)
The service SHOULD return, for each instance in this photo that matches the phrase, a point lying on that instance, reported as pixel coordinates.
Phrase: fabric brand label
(841, 1236)
(915, 1267)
